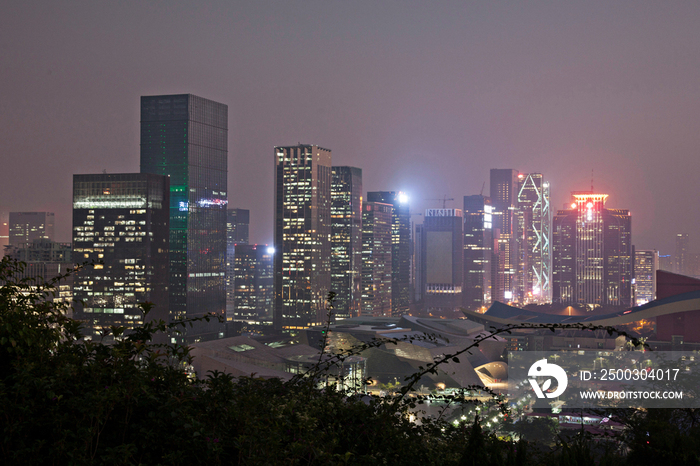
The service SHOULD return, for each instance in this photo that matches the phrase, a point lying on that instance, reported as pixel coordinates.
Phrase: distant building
(185, 137)
(120, 222)
(253, 282)
(646, 263)
(442, 256)
(237, 225)
(45, 260)
(376, 259)
(346, 240)
(680, 258)
(478, 249)
(534, 236)
(302, 235)
(400, 249)
(25, 227)
(666, 262)
(4, 231)
(504, 198)
(418, 282)
(593, 260)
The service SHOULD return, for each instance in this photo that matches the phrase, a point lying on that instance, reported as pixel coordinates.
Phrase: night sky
(425, 97)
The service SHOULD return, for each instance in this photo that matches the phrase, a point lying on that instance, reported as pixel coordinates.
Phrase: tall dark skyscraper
(346, 240)
(504, 198)
(186, 137)
(593, 255)
(25, 227)
(400, 248)
(534, 236)
(253, 280)
(680, 258)
(442, 261)
(121, 220)
(302, 235)
(376, 259)
(237, 225)
(478, 250)
(646, 263)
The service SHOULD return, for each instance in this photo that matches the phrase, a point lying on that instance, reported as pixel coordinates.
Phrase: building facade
(680, 258)
(442, 256)
(504, 198)
(593, 260)
(400, 248)
(302, 260)
(346, 241)
(253, 282)
(121, 224)
(478, 251)
(185, 137)
(25, 227)
(377, 259)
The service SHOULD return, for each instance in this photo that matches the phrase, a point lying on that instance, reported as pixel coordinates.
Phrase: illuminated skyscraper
(442, 261)
(593, 258)
(4, 231)
(680, 258)
(186, 138)
(400, 248)
(646, 263)
(346, 240)
(376, 259)
(302, 235)
(478, 250)
(122, 221)
(237, 225)
(25, 227)
(504, 198)
(253, 278)
(534, 236)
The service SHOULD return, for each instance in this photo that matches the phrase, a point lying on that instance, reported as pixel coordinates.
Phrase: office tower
(478, 250)
(681, 255)
(4, 231)
(504, 198)
(237, 224)
(646, 263)
(302, 235)
(534, 235)
(592, 248)
(346, 240)
(376, 259)
(186, 137)
(400, 249)
(442, 256)
(120, 222)
(666, 262)
(24, 227)
(253, 282)
(418, 283)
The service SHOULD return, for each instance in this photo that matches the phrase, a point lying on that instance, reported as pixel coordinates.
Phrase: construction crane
(444, 200)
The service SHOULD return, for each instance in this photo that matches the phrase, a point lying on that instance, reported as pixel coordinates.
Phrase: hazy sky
(425, 97)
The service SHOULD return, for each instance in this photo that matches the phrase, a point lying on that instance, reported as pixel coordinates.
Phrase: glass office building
(120, 222)
(186, 137)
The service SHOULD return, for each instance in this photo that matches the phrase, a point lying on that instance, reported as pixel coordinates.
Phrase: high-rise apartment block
(302, 235)
(237, 226)
(442, 256)
(400, 249)
(186, 138)
(646, 263)
(478, 250)
(533, 237)
(346, 240)
(592, 248)
(376, 259)
(121, 223)
(253, 282)
(24, 227)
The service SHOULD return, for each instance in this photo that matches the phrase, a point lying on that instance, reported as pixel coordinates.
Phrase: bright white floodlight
(403, 197)
(271, 250)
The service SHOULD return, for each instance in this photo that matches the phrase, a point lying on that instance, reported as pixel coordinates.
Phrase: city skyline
(544, 88)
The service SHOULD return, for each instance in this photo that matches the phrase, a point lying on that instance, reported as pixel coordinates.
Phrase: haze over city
(425, 98)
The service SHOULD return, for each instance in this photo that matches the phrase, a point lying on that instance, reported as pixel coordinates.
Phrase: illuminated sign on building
(443, 213)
